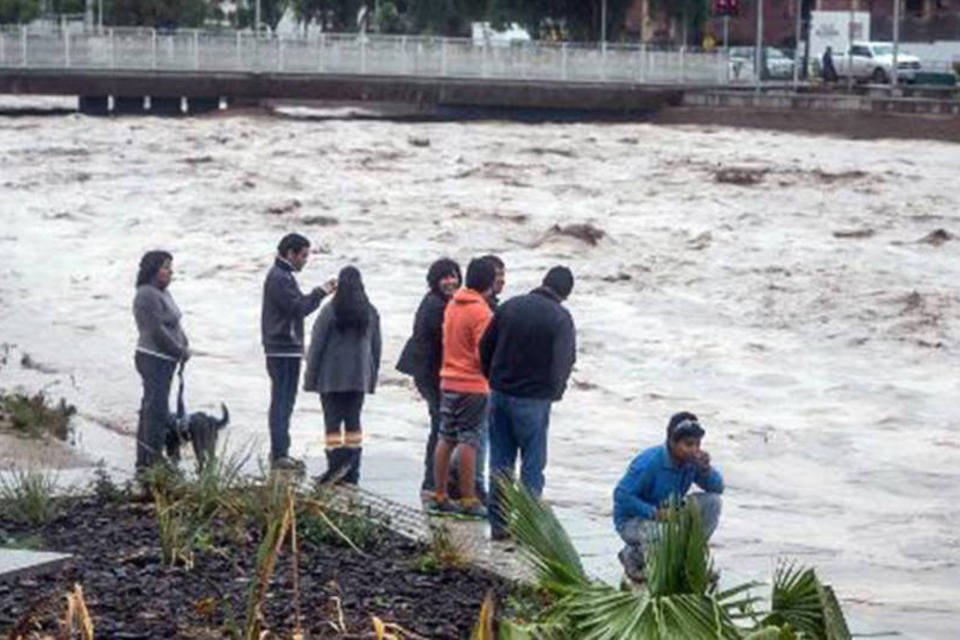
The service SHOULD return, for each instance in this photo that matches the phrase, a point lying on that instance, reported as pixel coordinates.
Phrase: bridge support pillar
(94, 105)
(165, 106)
(128, 105)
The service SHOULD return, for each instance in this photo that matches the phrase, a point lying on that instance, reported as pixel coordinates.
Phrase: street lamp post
(603, 24)
(758, 50)
(896, 42)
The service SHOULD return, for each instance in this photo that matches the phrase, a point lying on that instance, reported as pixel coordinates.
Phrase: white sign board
(837, 29)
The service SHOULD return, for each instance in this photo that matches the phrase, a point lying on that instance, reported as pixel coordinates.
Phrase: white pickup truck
(873, 61)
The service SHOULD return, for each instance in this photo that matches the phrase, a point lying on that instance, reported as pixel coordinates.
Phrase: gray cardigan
(158, 323)
(342, 361)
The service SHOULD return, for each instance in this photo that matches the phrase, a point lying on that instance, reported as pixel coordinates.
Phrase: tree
(18, 11)
(164, 14)
(578, 20)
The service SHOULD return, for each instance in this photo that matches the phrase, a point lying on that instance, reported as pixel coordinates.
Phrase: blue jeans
(284, 380)
(517, 426)
(637, 532)
(157, 376)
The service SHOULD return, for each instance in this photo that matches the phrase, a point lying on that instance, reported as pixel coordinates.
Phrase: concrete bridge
(136, 67)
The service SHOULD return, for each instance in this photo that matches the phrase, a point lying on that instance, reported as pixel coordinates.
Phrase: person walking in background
(827, 71)
(281, 324)
(655, 477)
(161, 345)
(342, 365)
(463, 400)
(422, 355)
(527, 353)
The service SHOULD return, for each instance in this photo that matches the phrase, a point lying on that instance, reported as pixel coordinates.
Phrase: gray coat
(342, 361)
(158, 323)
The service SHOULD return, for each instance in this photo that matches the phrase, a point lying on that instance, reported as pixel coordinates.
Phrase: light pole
(603, 24)
(758, 50)
(896, 42)
(796, 47)
(256, 19)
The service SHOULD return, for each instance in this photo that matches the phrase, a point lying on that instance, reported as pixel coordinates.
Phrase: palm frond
(542, 539)
(795, 600)
(835, 625)
(677, 557)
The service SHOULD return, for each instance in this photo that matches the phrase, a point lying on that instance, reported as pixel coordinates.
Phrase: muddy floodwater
(799, 293)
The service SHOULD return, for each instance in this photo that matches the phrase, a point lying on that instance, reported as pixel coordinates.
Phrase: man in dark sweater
(527, 354)
(281, 325)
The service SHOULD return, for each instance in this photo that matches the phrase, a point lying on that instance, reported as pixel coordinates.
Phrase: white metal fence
(188, 50)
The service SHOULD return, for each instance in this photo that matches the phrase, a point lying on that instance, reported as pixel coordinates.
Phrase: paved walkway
(19, 562)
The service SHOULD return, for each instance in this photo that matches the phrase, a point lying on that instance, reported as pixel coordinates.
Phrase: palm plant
(678, 601)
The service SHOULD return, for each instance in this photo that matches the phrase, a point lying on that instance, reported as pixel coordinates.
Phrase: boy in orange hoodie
(464, 389)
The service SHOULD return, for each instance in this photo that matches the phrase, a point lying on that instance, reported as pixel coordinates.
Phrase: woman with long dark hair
(342, 365)
(423, 353)
(161, 345)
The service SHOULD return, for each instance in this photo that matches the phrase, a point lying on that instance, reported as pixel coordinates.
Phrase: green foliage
(443, 552)
(178, 527)
(342, 528)
(18, 11)
(581, 19)
(28, 496)
(36, 415)
(678, 599)
(157, 13)
(104, 488)
(30, 542)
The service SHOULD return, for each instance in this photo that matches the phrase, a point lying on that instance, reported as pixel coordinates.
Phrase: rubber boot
(337, 460)
(353, 475)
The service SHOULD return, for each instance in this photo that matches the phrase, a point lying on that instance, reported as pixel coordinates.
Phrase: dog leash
(181, 408)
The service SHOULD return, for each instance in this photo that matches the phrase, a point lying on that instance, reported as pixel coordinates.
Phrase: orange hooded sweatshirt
(464, 321)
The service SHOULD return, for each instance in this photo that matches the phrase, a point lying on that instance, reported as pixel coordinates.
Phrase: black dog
(200, 430)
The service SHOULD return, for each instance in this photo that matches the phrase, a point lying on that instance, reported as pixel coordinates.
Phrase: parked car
(778, 64)
(873, 61)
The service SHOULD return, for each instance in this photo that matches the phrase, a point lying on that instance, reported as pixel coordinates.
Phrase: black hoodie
(423, 354)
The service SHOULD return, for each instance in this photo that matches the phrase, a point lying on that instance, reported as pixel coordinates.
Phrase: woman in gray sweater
(161, 345)
(342, 365)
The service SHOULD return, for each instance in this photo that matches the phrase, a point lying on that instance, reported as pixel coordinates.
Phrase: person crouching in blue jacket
(654, 477)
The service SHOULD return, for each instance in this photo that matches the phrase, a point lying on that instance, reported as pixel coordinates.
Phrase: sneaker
(633, 573)
(500, 535)
(471, 509)
(287, 464)
(439, 506)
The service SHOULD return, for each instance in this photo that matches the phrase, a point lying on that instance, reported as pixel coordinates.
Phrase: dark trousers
(157, 376)
(431, 393)
(517, 426)
(341, 409)
(284, 380)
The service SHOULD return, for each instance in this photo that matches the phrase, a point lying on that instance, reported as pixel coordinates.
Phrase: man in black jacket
(423, 352)
(527, 354)
(281, 326)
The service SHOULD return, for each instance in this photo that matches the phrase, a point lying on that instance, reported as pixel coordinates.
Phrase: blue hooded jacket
(652, 478)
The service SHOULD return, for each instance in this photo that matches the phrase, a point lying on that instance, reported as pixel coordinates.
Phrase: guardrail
(337, 53)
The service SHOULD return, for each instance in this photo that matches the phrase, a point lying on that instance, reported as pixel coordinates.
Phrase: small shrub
(179, 529)
(104, 488)
(28, 496)
(363, 529)
(444, 552)
(37, 416)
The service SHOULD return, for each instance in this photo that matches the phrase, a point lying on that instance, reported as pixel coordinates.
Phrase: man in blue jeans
(655, 477)
(281, 323)
(527, 353)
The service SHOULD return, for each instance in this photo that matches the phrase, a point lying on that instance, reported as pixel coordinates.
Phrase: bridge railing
(194, 50)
